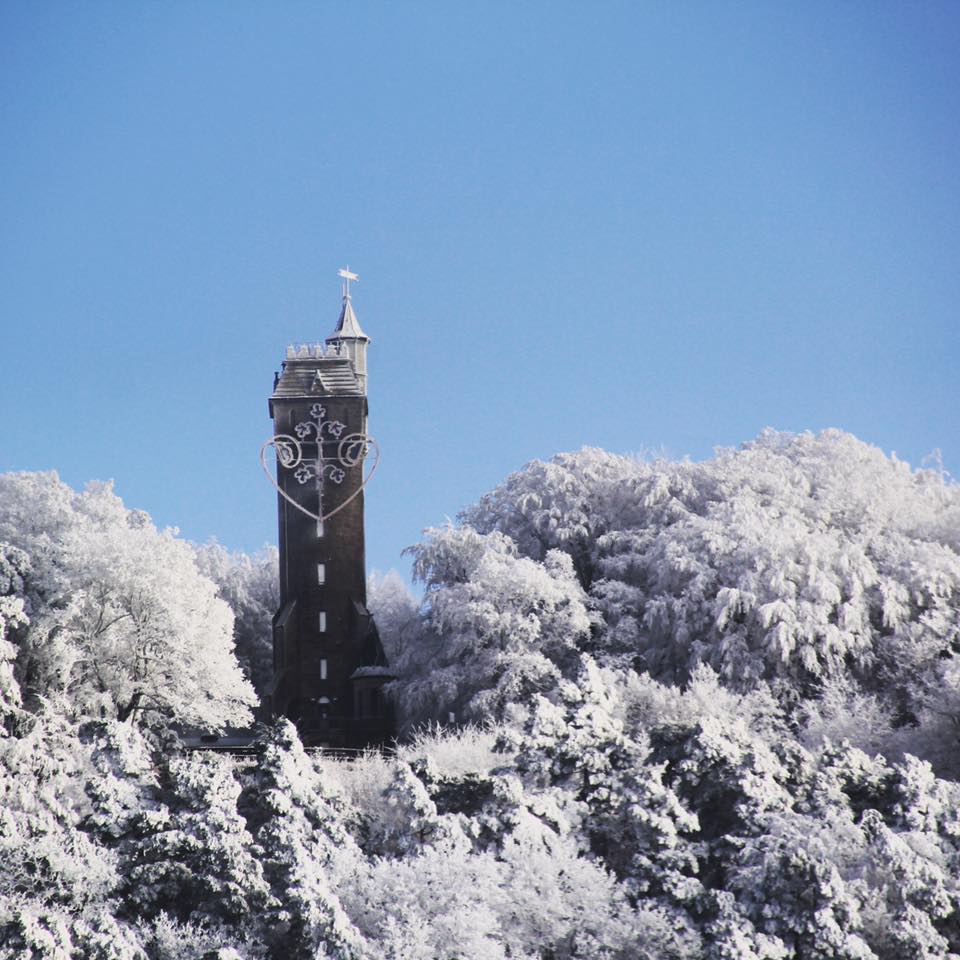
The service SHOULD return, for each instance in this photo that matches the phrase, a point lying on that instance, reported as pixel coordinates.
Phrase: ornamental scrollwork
(349, 450)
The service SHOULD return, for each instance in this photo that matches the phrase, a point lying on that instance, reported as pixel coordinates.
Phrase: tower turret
(348, 338)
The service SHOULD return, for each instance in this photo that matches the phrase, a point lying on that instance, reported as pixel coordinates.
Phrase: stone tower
(328, 663)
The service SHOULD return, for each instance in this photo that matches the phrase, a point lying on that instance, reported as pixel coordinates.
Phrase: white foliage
(811, 561)
(14, 565)
(30, 929)
(251, 587)
(42, 802)
(395, 611)
(495, 625)
(697, 689)
(794, 554)
(468, 749)
(121, 622)
(169, 940)
(301, 840)
(446, 894)
(194, 859)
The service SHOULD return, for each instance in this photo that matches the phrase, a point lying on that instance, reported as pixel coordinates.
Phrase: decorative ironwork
(350, 451)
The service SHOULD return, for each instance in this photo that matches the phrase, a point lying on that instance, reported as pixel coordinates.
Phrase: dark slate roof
(316, 377)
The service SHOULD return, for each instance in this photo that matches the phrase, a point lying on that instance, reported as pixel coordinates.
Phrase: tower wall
(327, 655)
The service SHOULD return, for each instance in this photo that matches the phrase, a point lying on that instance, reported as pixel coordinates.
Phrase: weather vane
(347, 277)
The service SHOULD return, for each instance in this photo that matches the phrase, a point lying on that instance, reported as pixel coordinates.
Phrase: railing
(237, 749)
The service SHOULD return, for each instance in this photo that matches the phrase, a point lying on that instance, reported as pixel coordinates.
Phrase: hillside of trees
(699, 710)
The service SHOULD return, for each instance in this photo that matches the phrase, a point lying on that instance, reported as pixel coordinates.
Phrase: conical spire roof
(347, 326)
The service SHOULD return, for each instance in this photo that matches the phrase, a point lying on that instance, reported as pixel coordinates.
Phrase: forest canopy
(650, 709)
(813, 565)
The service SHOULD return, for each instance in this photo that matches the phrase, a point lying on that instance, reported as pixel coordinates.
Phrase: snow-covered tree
(192, 858)
(796, 557)
(55, 880)
(395, 611)
(565, 504)
(119, 780)
(14, 565)
(121, 622)
(442, 902)
(251, 587)
(303, 845)
(633, 819)
(28, 929)
(497, 627)
(714, 713)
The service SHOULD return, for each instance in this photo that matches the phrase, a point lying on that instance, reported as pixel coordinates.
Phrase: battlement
(316, 351)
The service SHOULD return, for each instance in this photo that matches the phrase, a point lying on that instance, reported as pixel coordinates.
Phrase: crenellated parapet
(316, 350)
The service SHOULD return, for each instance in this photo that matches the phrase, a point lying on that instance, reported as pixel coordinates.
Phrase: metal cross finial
(347, 277)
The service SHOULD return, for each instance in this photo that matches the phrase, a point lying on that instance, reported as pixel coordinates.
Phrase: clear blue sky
(628, 225)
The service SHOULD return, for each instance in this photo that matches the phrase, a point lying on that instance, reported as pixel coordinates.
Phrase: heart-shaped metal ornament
(351, 451)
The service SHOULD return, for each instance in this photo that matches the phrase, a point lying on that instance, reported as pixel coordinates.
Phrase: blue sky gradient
(631, 225)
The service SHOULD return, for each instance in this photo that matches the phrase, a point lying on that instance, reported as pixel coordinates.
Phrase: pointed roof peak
(347, 324)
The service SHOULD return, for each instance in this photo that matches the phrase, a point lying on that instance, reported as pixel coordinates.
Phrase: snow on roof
(372, 672)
